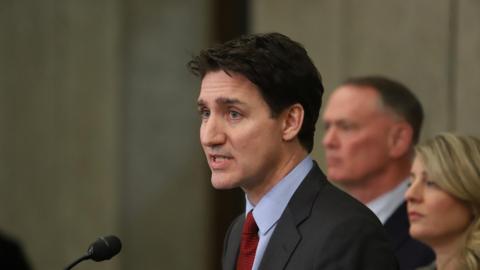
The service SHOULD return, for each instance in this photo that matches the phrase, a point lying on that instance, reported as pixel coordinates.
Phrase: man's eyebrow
(200, 103)
(221, 101)
(228, 101)
(334, 121)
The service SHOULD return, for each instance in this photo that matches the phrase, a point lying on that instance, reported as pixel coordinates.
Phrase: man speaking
(259, 101)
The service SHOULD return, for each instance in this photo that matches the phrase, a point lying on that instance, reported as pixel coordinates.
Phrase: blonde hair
(453, 162)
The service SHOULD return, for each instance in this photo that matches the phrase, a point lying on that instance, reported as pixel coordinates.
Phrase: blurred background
(98, 121)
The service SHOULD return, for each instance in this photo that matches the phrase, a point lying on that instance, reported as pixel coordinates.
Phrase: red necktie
(248, 244)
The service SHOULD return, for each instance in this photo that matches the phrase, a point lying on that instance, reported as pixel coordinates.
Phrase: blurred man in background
(371, 126)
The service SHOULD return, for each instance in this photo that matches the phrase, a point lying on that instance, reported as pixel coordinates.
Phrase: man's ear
(293, 120)
(400, 139)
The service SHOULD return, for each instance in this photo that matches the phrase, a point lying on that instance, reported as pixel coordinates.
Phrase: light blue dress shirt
(385, 205)
(270, 208)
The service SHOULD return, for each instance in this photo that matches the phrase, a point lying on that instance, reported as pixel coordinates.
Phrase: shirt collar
(271, 206)
(385, 205)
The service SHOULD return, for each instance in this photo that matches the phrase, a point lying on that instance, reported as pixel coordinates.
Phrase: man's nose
(212, 132)
(329, 138)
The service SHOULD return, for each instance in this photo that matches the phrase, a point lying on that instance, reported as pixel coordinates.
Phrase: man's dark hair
(278, 66)
(397, 97)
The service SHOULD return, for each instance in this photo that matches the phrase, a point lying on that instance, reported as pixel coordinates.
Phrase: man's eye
(326, 126)
(234, 114)
(204, 114)
(346, 126)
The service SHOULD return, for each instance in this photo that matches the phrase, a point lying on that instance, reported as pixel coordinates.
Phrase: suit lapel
(232, 244)
(280, 248)
(286, 236)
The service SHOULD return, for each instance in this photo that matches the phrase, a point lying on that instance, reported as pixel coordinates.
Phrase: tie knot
(250, 225)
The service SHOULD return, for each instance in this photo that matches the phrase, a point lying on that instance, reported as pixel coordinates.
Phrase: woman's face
(435, 216)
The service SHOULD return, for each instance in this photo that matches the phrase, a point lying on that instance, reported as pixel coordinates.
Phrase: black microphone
(103, 249)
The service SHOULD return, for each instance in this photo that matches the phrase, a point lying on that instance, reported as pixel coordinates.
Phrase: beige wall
(466, 67)
(165, 206)
(433, 46)
(60, 119)
(99, 131)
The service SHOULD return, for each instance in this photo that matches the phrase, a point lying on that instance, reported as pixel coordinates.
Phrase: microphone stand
(84, 257)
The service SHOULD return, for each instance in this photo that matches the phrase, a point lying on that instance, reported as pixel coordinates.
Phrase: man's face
(356, 139)
(241, 141)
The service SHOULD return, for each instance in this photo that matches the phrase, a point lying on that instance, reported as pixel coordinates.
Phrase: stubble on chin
(220, 183)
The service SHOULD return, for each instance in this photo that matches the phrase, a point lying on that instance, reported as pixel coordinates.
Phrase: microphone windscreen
(105, 248)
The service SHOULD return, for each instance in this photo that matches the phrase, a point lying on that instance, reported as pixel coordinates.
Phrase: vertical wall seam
(452, 65)
(344, 22)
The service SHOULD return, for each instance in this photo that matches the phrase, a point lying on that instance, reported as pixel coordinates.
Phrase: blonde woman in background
(443, 200)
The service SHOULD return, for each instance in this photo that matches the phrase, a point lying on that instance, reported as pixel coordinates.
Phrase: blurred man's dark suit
(410, 252)
(321, 228)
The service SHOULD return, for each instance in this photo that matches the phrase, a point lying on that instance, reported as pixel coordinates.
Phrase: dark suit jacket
(321, 228)
(410, 253)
